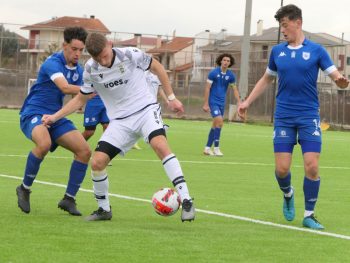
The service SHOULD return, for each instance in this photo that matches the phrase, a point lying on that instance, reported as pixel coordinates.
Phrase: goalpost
(31, 82)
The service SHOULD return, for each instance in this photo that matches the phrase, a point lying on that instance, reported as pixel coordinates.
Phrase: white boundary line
(184, 161)
(241, 218)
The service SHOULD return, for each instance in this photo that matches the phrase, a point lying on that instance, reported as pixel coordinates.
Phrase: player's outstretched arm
(74, 104)
(259, 88)
(236, 93)
(206, 97)
(174, 104)
(341, 81)
(65, 87)
(162, 95)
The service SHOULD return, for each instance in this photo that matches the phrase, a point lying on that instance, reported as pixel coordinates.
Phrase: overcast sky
(187, 17)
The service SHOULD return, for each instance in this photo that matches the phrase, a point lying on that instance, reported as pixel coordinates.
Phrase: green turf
(240, 183)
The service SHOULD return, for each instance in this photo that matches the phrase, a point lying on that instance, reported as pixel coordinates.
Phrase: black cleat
(100, 214)
(188, 211)
(68, 204)
(23, 198)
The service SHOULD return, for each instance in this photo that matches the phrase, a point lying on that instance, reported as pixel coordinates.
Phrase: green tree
(8, 43)
(53, 47)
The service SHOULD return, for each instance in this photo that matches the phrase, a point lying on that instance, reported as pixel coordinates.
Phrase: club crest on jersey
(121, 68)
(75, 76)
(227, 77)
(34, 120)
(101, 75)
(306, 55)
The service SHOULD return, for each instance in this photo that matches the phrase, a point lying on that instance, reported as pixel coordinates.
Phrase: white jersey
(153, 83)
(123, 87)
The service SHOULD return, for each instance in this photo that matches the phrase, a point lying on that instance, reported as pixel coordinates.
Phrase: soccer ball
(166, 202)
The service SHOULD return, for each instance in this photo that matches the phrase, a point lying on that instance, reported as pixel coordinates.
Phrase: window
(264, 53)
(212, 60)
(348, 61)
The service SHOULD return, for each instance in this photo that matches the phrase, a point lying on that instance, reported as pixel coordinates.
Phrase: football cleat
(217, 152)
(188, 210)
(208, 151)
(23, 198)
(288, 208)
(311, 222)
(100, 214)
(68, 204)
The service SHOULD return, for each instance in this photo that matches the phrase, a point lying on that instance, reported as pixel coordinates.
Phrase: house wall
(182, 57)
(48, 37)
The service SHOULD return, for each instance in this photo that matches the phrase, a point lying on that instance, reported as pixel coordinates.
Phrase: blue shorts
(217, 110)
(304, 130)
(56, 130)
(95, 114)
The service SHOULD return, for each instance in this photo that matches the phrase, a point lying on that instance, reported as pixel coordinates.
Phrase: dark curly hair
(219, 59)
(77, 33)
(291, 11)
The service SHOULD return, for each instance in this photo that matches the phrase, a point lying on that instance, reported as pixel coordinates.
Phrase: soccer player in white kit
(118, 76)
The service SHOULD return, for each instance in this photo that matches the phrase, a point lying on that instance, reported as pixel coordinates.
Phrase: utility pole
(275, 82)
(1, 40)
(243, 81)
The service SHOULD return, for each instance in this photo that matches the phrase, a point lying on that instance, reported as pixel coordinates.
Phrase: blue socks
(214, 137)
(31, 170)
(284, 183)
(311, 189)
(210, 138)
(217, 132)
(76, 177)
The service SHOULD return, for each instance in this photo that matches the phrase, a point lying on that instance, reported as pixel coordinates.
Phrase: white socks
(308, 213)
(290, 193)
(174, 172)
(101, 184)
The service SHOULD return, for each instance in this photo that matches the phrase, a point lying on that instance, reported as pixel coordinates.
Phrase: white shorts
(124, 133)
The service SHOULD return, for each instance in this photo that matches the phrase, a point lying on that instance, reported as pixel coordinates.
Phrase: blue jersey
(297, 69)
(219, 84)
(45, 97)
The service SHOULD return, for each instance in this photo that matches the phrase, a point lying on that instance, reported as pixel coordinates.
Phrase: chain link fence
(187, 65)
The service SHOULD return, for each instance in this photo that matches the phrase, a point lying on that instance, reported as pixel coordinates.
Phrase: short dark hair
(77, 33)
(219, 59)
(291, 11)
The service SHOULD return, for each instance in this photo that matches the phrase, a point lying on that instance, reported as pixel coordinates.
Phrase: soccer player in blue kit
(60, 74)
(219, 79)
(296, 62)
(94, 113)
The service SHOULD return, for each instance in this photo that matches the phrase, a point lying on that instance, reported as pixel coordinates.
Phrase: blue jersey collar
(63, 59)
(305, 42)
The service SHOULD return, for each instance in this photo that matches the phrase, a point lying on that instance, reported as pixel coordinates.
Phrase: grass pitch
(239, 204)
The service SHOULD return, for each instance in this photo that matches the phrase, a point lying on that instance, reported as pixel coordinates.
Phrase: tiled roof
(270, 35)
(184, 67)
(174, 45)
(228, 44)
(90, 24)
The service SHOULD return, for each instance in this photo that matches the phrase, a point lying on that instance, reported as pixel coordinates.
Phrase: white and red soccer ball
(166, 202)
